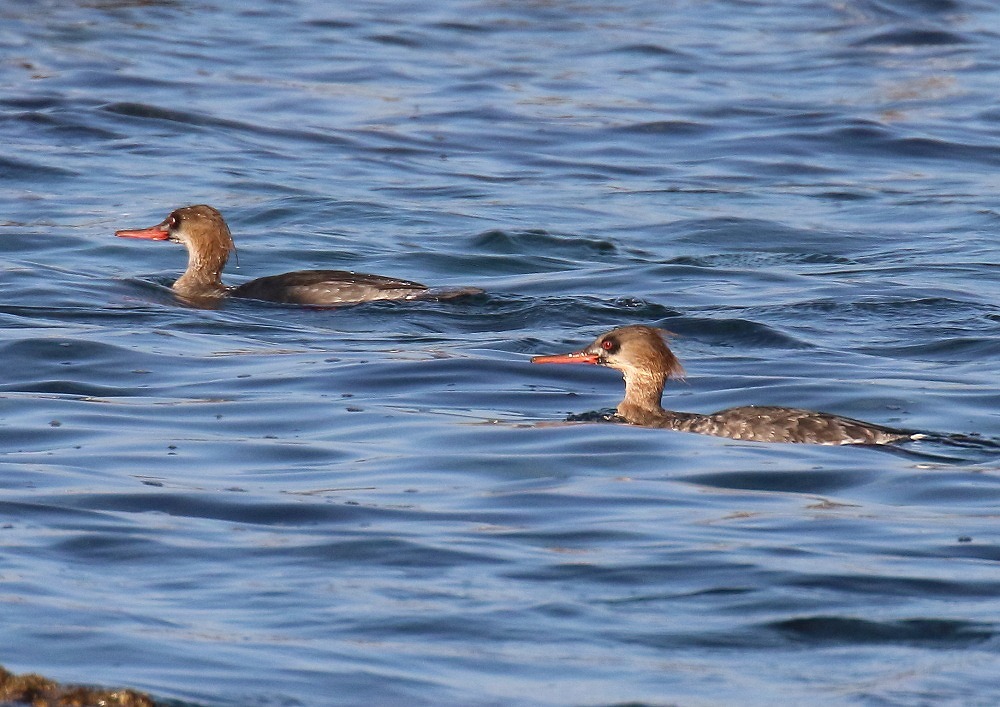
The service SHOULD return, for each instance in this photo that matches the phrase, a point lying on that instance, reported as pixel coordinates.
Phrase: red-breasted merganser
(646, 362)
(206, 236)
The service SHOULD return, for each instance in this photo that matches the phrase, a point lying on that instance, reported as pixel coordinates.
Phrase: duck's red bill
(574, 357)
(154, 233)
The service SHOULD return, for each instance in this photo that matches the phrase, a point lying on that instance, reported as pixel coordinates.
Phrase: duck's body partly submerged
(646, 362)
(327, 287)
(203, 231)
(777, 424)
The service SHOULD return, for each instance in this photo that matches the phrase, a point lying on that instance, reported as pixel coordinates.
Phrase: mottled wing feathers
(327, 287)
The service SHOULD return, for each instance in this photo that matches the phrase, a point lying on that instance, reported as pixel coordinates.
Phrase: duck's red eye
(172, 221)
(607, 344)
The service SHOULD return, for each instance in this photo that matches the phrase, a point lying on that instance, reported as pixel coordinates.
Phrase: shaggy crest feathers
(646, 362)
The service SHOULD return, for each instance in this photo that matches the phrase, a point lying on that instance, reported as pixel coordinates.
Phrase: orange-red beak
(153, 233)
(572, 357)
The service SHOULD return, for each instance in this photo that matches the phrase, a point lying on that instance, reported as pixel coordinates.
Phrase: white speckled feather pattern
(646, 362)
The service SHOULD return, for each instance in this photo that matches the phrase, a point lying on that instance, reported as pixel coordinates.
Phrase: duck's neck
(643, 391)
(203, 276)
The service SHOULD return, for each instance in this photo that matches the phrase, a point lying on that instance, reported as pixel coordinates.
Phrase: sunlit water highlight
(267, 505)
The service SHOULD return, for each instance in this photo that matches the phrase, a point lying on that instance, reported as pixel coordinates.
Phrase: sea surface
(264, 505)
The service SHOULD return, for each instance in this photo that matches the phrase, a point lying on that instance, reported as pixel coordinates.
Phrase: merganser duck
(203, 231)
(646, 362)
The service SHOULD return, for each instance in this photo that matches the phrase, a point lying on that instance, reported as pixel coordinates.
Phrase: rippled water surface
(270, 505)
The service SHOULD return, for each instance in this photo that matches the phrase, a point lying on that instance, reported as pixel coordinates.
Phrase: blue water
(268, 505)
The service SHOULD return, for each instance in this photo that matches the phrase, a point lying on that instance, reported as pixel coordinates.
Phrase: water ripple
(388, 503)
